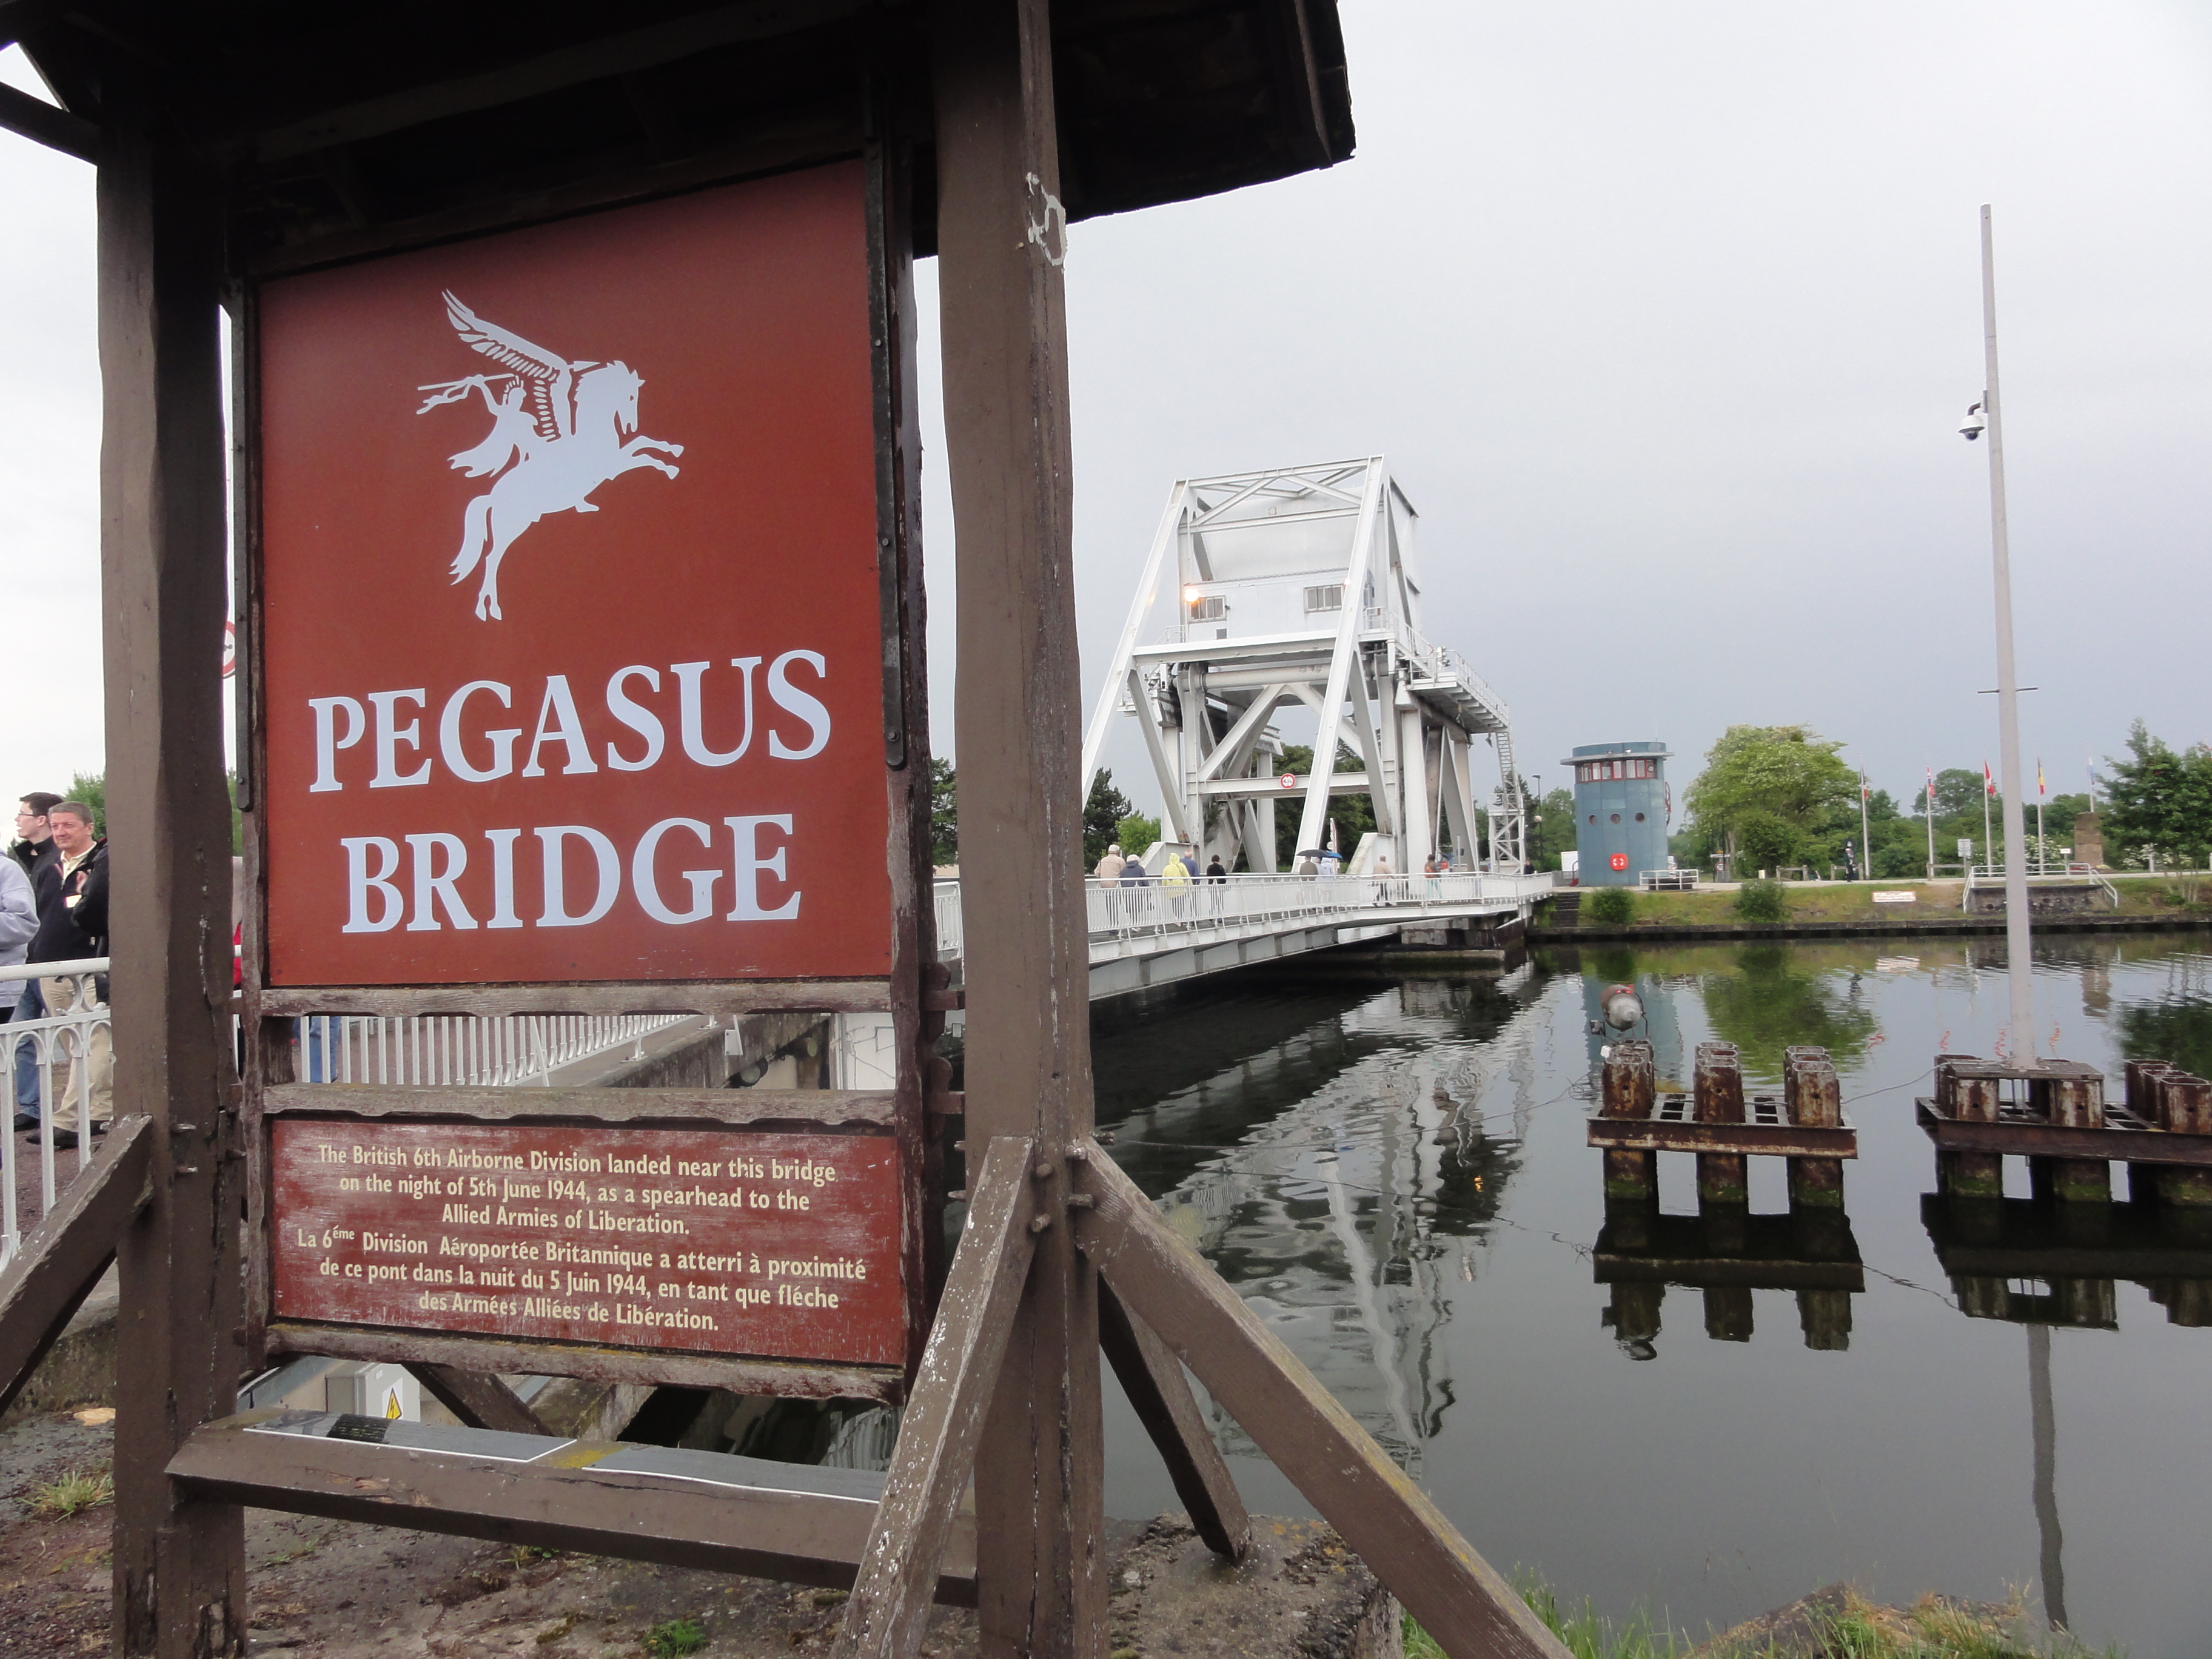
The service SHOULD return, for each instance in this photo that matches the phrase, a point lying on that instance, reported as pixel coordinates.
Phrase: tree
(1551, 828)
(2158, 801)
(1958, 794)
(1354, 814)
(1136, 834)
(1102, 812)
(1787, 780)
(944, 812)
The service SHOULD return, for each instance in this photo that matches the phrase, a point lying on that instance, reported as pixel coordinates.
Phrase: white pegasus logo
(559, 431)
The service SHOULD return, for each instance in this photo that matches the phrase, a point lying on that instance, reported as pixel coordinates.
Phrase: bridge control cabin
(1299, 589)
(1623, 804)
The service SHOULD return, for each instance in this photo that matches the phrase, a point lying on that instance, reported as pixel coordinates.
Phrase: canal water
(1393, 1174)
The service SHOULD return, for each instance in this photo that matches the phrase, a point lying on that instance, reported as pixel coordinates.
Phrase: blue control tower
(1622, 807)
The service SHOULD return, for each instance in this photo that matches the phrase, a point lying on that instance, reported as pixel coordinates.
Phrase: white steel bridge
(1155, 933)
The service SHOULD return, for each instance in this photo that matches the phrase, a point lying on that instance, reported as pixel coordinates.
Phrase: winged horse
(560, 429)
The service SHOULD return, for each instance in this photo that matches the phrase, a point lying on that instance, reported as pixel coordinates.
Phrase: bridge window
(1208, 607)
(1330, 598)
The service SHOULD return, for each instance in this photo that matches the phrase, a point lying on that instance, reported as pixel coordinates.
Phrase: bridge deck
(1155, 933)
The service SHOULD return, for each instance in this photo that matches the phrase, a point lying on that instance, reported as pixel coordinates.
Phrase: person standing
(32, 848)
(18, 921)
(72, 929)
(1109, 867)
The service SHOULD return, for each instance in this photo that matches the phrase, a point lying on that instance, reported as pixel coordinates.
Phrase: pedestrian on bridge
(1434, 867)
(72, 929)
(1109, 867)
(1174, 877)
(1216, 884)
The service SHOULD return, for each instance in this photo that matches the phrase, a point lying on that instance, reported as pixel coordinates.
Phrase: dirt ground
(331, 1589)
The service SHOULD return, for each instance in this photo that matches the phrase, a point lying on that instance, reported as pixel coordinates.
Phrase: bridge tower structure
(1298, 588)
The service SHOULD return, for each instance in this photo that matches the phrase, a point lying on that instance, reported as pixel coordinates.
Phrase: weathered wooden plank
(828, 1109)
(718, 997)
(1402, 1535)
(944, 1417)
(67, 1252)
(1718, 1082)
(810, 1382)
(2126, 1145)
(1152, 1377)
(43, 124)
(1659, 1134)
(478, 1399)
(179, 1568)
(1001, 242)
(800, 1537)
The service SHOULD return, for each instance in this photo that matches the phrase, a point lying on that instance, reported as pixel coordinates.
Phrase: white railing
(465, 1050)
(949, 932)
(50, 1063)
(1993, 875)
(1678, 881)
(1116, 909)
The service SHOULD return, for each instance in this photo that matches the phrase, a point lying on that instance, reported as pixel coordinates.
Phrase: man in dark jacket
(75, 927)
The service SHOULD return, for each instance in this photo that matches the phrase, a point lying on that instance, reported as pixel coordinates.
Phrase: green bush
(675, 1639)
(1614, 906)
(1762, 901)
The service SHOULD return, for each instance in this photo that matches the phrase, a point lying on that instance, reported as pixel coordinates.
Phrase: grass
(674, 1639)
(80, 1488)
(2168, 897)
(1931, 1629)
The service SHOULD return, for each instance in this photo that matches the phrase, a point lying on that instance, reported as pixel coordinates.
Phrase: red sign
(570, 634)
(782, 1245)
(1619, 861)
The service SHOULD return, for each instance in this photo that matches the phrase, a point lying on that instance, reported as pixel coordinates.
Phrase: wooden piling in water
(1812, 1095)
(1967, 1175)
(1727, 1312)
(1717, 1084)
(2070, 1099)
(1630, 1089)
(2183, 1106)
(1825, 1316)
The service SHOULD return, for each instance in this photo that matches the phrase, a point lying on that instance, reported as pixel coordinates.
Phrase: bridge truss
(1297, 588)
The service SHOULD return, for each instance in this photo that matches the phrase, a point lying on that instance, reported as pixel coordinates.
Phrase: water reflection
(1339, 1175)
(1726, 1254)
(2033, 1262)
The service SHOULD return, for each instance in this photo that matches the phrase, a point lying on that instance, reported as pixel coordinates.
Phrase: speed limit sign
(1289, 780)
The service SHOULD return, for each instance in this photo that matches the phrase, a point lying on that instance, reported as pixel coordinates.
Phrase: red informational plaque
(572, 660)
(784, 1246)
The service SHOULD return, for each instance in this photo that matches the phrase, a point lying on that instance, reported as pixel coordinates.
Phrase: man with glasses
(34, 845)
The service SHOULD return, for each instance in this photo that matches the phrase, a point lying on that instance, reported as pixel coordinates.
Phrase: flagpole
(2042, 852)
(1989, 841)
(1931, 824)
(2018, 959)
(1866, 847)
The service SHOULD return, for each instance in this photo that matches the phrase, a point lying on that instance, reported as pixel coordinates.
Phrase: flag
(1931, 786)
(1989, 779)
(2040, 792)
(1865, 793)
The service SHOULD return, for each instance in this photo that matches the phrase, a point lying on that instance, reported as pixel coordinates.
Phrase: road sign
(1965, 849)
(1289, 780)
(580, 559)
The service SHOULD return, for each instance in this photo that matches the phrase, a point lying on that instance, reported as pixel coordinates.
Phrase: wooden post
(1813, 1095)
(1630, 1087)
(179, 1562)
(1002, 240)
(1718, 1085)
(2184, 1107)
(2075, 1099)
(1825, 1316)
(1728, 1313)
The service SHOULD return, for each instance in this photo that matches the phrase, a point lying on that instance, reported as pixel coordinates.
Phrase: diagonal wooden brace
(478, 1399)
(1152, 1377)
(944, 1417)
(65, 1254)
(1458, 1597)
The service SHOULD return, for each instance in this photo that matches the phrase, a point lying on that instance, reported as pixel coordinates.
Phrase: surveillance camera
(1972, 427)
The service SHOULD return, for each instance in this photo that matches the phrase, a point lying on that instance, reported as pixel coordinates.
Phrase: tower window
(1330, 598)
(1209, 607)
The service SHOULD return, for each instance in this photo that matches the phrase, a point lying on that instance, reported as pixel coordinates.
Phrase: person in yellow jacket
(1174, 877)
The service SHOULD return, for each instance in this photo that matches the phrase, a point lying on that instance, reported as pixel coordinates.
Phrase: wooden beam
(65, 1256)
(741, 996)
(478, 1399)
(1402, 1535)
(1152, 1377)
(655, 1366)
(179, 1562)
(1001, 244)
(44, 123)
(831, 1109)
(944, 1417)
(801, 1537)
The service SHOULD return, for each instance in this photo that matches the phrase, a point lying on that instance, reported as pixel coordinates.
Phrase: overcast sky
(1664, 316)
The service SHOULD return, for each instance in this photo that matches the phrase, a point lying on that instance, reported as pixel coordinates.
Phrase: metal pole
(1930, 807)
(2017, 946)
(1866, 843)
(2044, 1427)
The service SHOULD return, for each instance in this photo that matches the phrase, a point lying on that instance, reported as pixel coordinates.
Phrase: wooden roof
(337, 122)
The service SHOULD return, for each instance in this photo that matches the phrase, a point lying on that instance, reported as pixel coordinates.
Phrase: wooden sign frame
(457, 1364)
